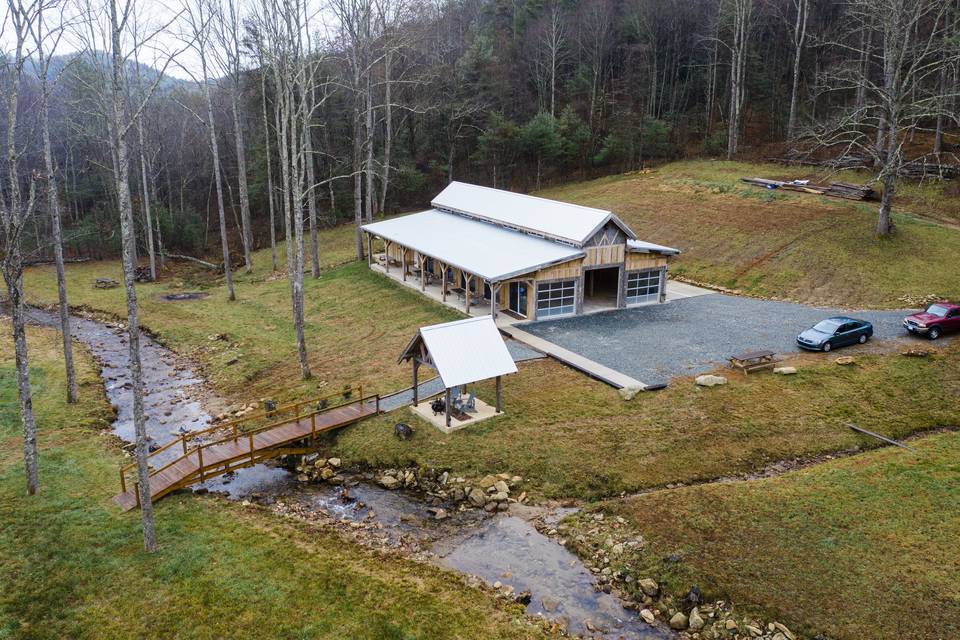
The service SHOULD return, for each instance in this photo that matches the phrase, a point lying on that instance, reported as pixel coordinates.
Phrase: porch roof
(479, 248)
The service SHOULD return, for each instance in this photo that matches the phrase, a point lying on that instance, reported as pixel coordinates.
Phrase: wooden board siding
(563, 271)
(607, 255)
(638, 261)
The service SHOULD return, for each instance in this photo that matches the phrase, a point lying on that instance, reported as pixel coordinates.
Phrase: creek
(505, 548)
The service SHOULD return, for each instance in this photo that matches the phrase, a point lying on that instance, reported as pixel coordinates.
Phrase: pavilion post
(416, 393)
(446, 404)
(494, 289)
(386, 254)
(498, 393)
(423, 271)
(403, 263)
(369, 249)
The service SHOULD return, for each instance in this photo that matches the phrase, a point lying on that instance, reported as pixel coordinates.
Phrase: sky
(151, 16)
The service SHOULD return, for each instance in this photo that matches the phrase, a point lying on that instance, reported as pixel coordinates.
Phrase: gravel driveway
(693, 335)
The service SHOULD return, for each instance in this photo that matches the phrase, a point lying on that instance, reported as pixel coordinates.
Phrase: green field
(72, 565)
(573, 437)
(862, 547)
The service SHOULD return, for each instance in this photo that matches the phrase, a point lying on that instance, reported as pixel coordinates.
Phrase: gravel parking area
(694, 335)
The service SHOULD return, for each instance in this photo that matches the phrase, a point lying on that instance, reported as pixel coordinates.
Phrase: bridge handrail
(250, 434)
(234, 424)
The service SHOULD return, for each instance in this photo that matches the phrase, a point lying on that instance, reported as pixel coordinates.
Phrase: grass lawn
(571, 436)
(796, 246)
(356, 322)
(71, 565)
(863, 547)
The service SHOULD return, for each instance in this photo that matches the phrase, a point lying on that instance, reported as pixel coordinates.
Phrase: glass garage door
(556, 298)
(643, 286)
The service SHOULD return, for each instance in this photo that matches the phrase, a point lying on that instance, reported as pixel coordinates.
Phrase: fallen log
(179, 256)
(879, 437)
(39, 261)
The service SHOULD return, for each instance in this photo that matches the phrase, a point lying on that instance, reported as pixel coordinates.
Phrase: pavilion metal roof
(570, 223)
(463, 351)
(486, 250)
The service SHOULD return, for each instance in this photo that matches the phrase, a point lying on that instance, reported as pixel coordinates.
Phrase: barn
(527, 257)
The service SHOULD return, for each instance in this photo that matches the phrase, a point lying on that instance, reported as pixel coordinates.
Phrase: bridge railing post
(200, 460)
(251, 446)
(123, 480)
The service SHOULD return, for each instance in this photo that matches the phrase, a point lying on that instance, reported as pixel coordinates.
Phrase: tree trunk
(357, 167)
(215, 151)
(14, 281)
(388, 129)
(799, 35)
(368, 165)
(146, 203)
(53, 202)
(311, 194)
(245, 227)
(270, 195)
(122, 179)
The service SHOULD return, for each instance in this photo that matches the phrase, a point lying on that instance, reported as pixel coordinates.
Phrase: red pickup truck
(936, 320)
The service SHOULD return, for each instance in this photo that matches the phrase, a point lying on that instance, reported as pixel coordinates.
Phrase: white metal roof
(649, 247)
(480, 248)
(558, 220)
(464, 351)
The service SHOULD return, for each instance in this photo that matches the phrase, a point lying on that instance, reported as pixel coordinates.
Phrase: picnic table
(753, 361)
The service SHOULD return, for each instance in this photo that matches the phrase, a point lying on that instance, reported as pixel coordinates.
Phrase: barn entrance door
(518, 299)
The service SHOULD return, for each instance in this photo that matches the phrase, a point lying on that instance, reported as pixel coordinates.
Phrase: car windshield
(826, 326)
(937, 310)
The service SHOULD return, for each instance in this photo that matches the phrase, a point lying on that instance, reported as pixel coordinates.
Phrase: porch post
(443, 282)
(416, 397)
(447, 405)
(498, 393)
(466, 296)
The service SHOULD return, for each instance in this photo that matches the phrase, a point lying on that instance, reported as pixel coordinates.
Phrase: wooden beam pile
(924, 169)
(834, 189)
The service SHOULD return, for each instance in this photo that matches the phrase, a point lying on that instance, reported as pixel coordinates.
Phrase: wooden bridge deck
(242, 449)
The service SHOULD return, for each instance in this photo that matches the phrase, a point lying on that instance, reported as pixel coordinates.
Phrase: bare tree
(43, 40)
(199, 16)
(267, 152)
(283, 25)
(742, 19)
(16, 210)
(907, 93)
(227, 30)
(799, 36)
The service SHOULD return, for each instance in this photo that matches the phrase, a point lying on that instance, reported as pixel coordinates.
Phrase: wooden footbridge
(287, 430)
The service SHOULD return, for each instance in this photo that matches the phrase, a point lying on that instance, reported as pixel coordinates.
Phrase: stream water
(503, 548)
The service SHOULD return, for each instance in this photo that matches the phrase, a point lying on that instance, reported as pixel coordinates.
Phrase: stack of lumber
(924, 169)
(850, 191)
(835, 189)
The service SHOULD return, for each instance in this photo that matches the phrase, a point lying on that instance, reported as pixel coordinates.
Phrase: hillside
(787, 245)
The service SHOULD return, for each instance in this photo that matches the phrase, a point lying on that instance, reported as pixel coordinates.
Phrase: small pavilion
(461, 352)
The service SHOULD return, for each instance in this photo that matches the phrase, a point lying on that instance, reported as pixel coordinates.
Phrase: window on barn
(556, 298)
(643, 286)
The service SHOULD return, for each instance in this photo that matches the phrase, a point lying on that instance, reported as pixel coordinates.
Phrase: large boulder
(710, 380)
(696, 621)
(679, 621)
(649, 587)
(477, 497)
